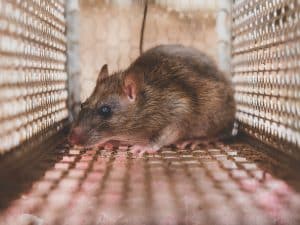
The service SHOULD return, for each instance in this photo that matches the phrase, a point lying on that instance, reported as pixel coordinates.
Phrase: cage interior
(50, 55)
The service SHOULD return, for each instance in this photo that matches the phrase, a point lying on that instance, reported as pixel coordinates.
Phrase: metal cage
(266, 71)
(251, 179)
(33, 75)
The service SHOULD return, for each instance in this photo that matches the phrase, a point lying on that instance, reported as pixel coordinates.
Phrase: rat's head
(107, 114)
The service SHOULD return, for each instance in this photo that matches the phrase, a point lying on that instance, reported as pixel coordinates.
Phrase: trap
(49, 50)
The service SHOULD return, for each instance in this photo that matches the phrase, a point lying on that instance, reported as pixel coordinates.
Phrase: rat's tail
(143, 27)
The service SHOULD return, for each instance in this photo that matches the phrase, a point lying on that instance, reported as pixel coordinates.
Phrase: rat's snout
(77, 136)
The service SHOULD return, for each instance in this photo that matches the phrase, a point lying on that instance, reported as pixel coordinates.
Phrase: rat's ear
(103, 73)
(132, 85)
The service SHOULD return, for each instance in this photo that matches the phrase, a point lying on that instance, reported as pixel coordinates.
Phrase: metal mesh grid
(215, 184)
(33, 77)
(266, 71)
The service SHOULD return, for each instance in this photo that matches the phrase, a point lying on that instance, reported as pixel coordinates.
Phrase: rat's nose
(77, 136)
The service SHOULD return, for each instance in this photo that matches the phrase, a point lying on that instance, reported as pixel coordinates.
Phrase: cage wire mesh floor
(217, 183)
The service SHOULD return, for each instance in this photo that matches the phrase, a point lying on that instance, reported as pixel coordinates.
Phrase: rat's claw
(183, 144)
(141, 153)
(135, 149)
(189, 143)
(109, 145)
(193, 144)
(141, 150)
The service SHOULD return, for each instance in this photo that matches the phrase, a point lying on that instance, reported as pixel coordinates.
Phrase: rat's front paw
(140, 149)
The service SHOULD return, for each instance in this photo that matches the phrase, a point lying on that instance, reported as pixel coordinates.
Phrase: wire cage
(266, 71)
(50, 55)
(33, 72)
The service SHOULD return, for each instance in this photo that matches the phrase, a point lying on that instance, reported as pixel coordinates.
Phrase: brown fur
(179, 94)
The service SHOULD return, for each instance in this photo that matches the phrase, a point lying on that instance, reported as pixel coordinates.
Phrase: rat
(171, 94)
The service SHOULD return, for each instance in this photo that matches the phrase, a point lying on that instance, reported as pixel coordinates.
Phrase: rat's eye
(105, 111)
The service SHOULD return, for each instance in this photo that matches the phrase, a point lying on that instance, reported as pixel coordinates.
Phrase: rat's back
(175, 57)
(175, 70)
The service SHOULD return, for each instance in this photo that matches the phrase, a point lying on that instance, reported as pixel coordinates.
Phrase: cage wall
(266, 71)
(33, 76)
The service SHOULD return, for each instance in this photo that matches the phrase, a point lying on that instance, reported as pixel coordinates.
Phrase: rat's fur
(178, 94)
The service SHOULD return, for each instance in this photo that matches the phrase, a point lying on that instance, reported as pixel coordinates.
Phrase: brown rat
(169, 94)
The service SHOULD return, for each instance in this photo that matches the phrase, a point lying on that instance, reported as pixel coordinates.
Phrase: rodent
(169, 94)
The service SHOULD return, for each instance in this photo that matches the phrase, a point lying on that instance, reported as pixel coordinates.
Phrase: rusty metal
(33, 78)
(266, 71)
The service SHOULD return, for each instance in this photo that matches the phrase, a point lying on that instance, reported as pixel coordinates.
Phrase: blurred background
(110, 31)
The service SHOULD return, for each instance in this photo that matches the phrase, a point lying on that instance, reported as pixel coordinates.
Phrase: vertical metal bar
(223, 26)
(73, 62)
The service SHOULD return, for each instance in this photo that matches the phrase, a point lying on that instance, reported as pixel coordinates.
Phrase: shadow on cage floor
(223, 183)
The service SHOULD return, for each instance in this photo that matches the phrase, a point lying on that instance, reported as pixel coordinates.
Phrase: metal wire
(218, 184)
(266, 70)
(32, 69)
